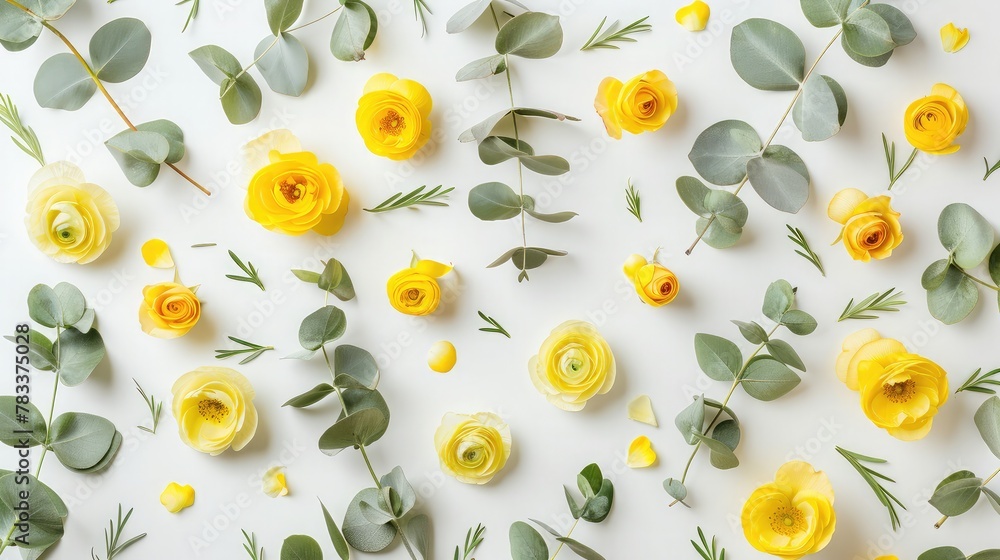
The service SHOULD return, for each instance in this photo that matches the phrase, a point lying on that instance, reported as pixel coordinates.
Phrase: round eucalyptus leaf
(725, 204)
(900, 28)
(693, 193)
(870, 61)
(17, 26)
(778, 300)
(867, 33)
(942, 553)
(675, 489)
(720, 232)
(81, 440)
(326, 324)
(798, 322)
(825, 13)
(721, 457)
(957, 493)
(216, 62)
(966, 234)
(482, 68)
(954, 298)
(44, 307)
(988, 422)
(139, 153)
(281, 14)
(352, 430)
(721, 152)
(285, 66)
(766, 379)
(354, 32)
(301, 547)
(14, 422)
(362, 534)
(119, 49)
(494, 201)
(767, 55)
(467, 16)
(108, 458)
(396, 480)
(526, 543)
(935, 274)
(498, 149)
(173, 135)
(358, 365)
(79, 355)
(530, 35)
(241, 99)
(994, 265)
(336, 280)
(691, 420)
(48, 9)
(820, 109)
(728, 432)
(71, 301)
(780, 178)
(62, 83)
(45, 510)
(18, 47)
(719, 358)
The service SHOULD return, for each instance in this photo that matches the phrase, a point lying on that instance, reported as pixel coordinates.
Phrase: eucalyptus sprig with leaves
(529, 35)
(952, 553)
(771, 57)
(766, 374)
(874, 480)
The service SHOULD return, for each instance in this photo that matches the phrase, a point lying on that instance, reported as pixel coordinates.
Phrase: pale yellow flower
(156, 253)
(793, 516)
(694, 16)
(473, 449)
(442, 356)
(273, 482)
(214, 409)
(176, 497)
(954, 39)
(640, 409)
(640, 453)
(573, 365)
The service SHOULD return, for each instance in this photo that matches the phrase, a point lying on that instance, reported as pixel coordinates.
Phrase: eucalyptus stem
(978, 281)
(568, 535)
(985, 482)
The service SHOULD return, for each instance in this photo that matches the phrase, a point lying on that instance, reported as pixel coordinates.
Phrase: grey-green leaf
(957, 493)
(358, 428)
(966, 234)
(418, 531)
(217, 63)
(691, 420)
(241, 98)
(767, 379)
(870, 61)
(719, 358)
(693, 193)
(934, 275)
(867, 33)
(301, 547)
(173, 135)
(530, 35)
(45, 510)
(721, 152)
(321, 326)
(988, 423)
(954, 298)
(17, 26)
(44, 307)
(780, 178)
(62, 83)
(311, 397)
(281, 14)
(79, 354)
(675, 489)
(484, 129)
(285, 66)
(119, 49)
(820, 109)
(467, 16)
(494, 201)
(754, 333)
(728, 432)
(581, 550)
(335, 280)
(900, 28)
(526, 543)
(362, 534)
(396, 480)
(784, 353)
(767, 55)
(336, 537)
(799, 322)
(552, 218)
(777, 300)
(722, 457)
(356, 368)
(354, 32)
(482, 68)
(942, 553)
(825, 13)
(81, 440)
(139, 153)
(17, 424)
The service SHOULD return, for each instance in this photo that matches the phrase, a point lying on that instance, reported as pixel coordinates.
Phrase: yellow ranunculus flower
(641, 104)
(168, 310)
(574, 364)
(640, 453)
(933, 123)
(442, 356)
(792, 516)
(655, 283)
(415, 290)
(473, 449)
(176, 497)
(871, 227)
(393, 116)
(900, 392)
(69, 219)
(954, 39)
(694, 16)
(273, 482)
(290, 190)
(214, 409)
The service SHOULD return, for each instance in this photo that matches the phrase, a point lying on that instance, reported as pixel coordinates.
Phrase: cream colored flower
(573, 365)
(273, 482)
(214, 409)
(473, 449)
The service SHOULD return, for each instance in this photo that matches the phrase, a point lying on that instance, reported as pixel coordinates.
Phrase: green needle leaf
(416, 197)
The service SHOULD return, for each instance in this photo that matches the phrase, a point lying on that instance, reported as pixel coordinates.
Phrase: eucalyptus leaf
(281, 14)
(752, 332)
(780, 178)
(825, 13)
(171, 133)
(119, 49)
(988, 423)
(777, 300)
(362, 534)
(935, 274)
(466, 16)
(48, 9)
(957, 493)
(109, 456)
(900, 28)
(526, 543)
(484, 129)
(767, 55)
(79, 355)
(311, 397)
(139, 153)
(301, 547)
(44, 307)
(217, 63)
(727, 432)
(285, 66)
(358, 428)
(821, 108)
(799, 322)
(241, 98)
(354, 31)
(867, 33)
(336, 537)
(356, 368)
(721, 457)
(581, 550)
(589, 480)
(494, 201)
(306, 275)
(497, 149)
(993, 498)
(15, 422)
(418, 531)
(597, 508)
(719, 358)
(482, 68)
(321, 326)
(942, 553)
(530, 35)
(675, 489)
(966, 234)
(375, 515)
(81, 440)
(335, 280)
(693, 193)
(767, 379)
(954, 298)
(44, 510)
(994, 265)
(721, 152)
(691, 420)
(784, 353)
(396, 480)
(17, 26)
(552, 218)
(62, 83)
(870, 61)
(86, 321)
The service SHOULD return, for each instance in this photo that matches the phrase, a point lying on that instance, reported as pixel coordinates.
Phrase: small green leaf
(321, 326)
(13, 425)
(900, 28)
(335, 280)
(767, 379)
(966, 234)
(526, 543)
(139, 153)
(356, 368)
(767, 55)
(691, 420)
(728, 432)
(752, 332)
(494, 201)
(45, 510)
(780, 178)
(62, 83)
(17, 26)
(957, 493)
(484, 129)
(285, 66)
(719, 358)
(217, 63)
(821, 108)
(721, 152)
(675, 489)
(362, 534)
(954, 298)
(79, 440)
(942, 553)
(339, 543)
(935, 274)
(311, 397)
(581, 550)
(354, 31)
(358, 428)
(467, 16)
(722, 457)
(867, 33)
(301, 547)
(79, 355)
(119, 49)
(784, 353)
(778, 300)
(530, 35)
(482, 68)
(693, 193)
(798, 322)
(173, 135)
(552, 218)
(306, 275)
(988, 423)
(281, 14)
(241, 99)
(825, 13)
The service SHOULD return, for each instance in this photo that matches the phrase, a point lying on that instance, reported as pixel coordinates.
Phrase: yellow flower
(156, 253)
(933, 123)
(290, 190)
(574, 364)
(168, 310)
(69, 219)
(273, 482)
(792, 516)
(214, 409)
(953, 39)
(473, 449)
(642, 104)
(887, 557)
(176, 497)
(415, 290)
(871, 227)
(640, 453)
(655, 283)
(442, 356)
(694, 16)
(393, 116)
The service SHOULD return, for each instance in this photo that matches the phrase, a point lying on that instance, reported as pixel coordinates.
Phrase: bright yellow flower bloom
(442, 356)
(694, 16)
(887, 557)
(69, 219)
(640, 453)
(871, 227)
(900, 392)
(393, 116)
(640, 409)
(933, 123)
(641, 104)
(415, 290)
(168, 310)
(655, 283)
(214, 409)
(473, 449)
(792, 516)
(176, 497)
(156, 253)
(291, 191)
(273, 482)
(954, 39)
(573, 365)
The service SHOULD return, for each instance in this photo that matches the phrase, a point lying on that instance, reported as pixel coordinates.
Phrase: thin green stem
(985, 482)
(978, 281)
(558, 548)
(909, 162)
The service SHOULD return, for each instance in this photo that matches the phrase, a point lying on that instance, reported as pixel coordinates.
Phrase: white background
(653, 347)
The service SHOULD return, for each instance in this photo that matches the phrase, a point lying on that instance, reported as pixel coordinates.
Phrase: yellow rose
(953, 39)
(168, 310)
(871, 227)
(694, 16)
(473, 449)
(933, 123)
(176, 497)
(574, 364)
(393, 116)
(900, 392)
(214, 409)
(642, 104)
(415, 290)
(792, 516)
(69, 219)
(655, 283)
(290, 190)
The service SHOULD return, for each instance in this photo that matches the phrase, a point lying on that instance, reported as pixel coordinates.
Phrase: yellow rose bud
(442, 356)
(655, 283)
(473, 449)
(933, 123)
(273, 482)
(642, 104)
(953, 39)
(573, 365)
(694, 16)
(214, 409)
(168, 310)
(792, 516)
(290, 190)
(640, 453)
(176, 497)
(415, 290)
(69, 219)
(393, 116)
(871, 227)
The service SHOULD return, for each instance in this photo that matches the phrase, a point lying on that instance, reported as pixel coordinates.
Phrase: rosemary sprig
(413, 198)
(495, 328)
(990, 169)
(24, 137)
(255, 350)
(191, 14)
(113, 534)
(706, 551)
(633, 200)
(890, 161)
(872, 478)
(806, 253)
(979, 384)
(155, 407)
(251, 546)
(613, 34)
(887, 301)
(472, 540)
(419, 9)
(251, 272)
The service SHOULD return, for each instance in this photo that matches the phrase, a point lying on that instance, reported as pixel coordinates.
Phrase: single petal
(273, 482)
(156, 253)
(843, 203)
(640, 453)
(257, 152)
(176, 497)
(442, 356)
(640, 409)
(378, 82)
(433, 269)
(633, 264)
(953, 39)
(694, 16)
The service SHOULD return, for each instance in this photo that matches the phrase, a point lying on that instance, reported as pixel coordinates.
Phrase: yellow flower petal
(176, 497)
(953, 39)
(640, 453)
(843, 203)
(442, 356)
(694, 16)
(273, 482)
(633, 264)
(156, 253)
(433, 269)
(641, 410)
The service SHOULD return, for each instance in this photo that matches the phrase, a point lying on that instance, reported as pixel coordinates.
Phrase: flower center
(413, 295)
(787, 521)
(666, 288)
(213, 410)
(899, 392)
(291, 190)
(392, 123)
